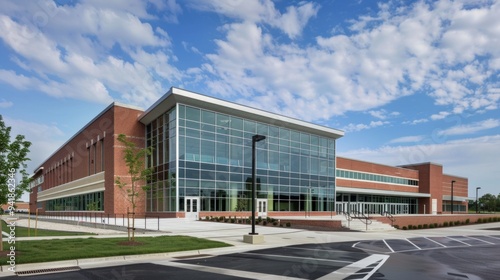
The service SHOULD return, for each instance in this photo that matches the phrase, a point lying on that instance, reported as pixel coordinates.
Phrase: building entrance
(261, 207)
(192, 208)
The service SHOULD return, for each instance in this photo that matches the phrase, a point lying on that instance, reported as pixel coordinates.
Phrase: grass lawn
(33, 251)
(23, 231)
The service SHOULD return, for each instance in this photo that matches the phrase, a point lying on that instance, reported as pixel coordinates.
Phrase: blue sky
(408, 81)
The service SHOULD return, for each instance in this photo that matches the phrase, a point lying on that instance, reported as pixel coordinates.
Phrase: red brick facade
(94, 149)
(430, 177)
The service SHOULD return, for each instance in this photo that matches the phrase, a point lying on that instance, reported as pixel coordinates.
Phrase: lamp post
(477, 204)
(453, 181)
(256, 138)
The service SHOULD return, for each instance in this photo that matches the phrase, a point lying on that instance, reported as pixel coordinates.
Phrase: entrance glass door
(192, 208)
(262, 207)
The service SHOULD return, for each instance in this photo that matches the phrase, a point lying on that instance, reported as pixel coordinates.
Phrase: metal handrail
(362, 217)
(390, 216)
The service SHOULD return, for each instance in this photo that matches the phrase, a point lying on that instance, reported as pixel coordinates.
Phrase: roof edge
(113, 104)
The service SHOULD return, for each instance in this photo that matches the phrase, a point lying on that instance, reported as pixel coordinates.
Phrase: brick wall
(125, 122)
(82, 156)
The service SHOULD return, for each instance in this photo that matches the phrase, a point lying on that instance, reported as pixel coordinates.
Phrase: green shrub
(445, 224)
(467, 221)
(420, 226)
(288, 224)
(457, 223)
(232, 220)
(432, 226)
(396, 226)
(426, 226)
(275, 223)
(264, 223)
(490, 219)
(435, 225)
(415, 227)
(405, 228)
(410, 226)
(479, 221)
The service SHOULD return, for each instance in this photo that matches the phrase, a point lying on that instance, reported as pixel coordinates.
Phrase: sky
(408, 81)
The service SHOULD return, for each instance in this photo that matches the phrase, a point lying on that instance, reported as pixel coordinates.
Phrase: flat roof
(181, 96)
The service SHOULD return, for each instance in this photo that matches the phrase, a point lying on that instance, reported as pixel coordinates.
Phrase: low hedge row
(449, 224)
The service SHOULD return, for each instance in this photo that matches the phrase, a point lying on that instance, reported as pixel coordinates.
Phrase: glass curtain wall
(82, 202)
(376, 204)
(161, 136)
(295, 170)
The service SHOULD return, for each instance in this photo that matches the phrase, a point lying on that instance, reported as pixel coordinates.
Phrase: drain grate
(47, 270)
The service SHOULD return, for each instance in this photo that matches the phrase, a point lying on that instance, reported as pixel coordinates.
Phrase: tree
(134, 158)
(488, 202)
(13, 158)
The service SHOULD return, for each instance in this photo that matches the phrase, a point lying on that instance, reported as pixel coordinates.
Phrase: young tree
(13, 158)
(134, 158)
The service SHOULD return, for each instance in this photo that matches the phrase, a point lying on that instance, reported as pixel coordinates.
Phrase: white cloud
(69, 58)
(398, 52)
(45, 139)
(407, 139)
(417, 121)
(474, 158)
(357, 127)
(440, 116)
(382, 114)
(471, 128)
(291, 22)
(5, 104)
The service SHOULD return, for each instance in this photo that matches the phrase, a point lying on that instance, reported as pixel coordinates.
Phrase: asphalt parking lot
(438, 257)
(464, 252)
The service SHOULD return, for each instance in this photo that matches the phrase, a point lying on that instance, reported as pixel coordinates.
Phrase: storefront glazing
(295, 170)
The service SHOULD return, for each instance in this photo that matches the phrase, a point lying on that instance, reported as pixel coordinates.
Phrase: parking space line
(458, 240)
(493, 237)
(435, 242)
(413, 244)
(388, 245)
(353, 268)
(225, 271)
(480, 240)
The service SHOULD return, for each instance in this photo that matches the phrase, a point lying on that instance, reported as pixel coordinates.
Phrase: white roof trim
(456, 198)
(177, 95)
(380, 192)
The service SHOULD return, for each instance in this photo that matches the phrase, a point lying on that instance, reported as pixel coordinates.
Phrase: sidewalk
(233, 234)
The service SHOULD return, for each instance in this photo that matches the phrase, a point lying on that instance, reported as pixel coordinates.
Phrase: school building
(202, 166)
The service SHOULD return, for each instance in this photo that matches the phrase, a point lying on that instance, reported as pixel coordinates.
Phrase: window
(102, 153)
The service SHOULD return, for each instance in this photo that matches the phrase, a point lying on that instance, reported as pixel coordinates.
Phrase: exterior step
(359, 224)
